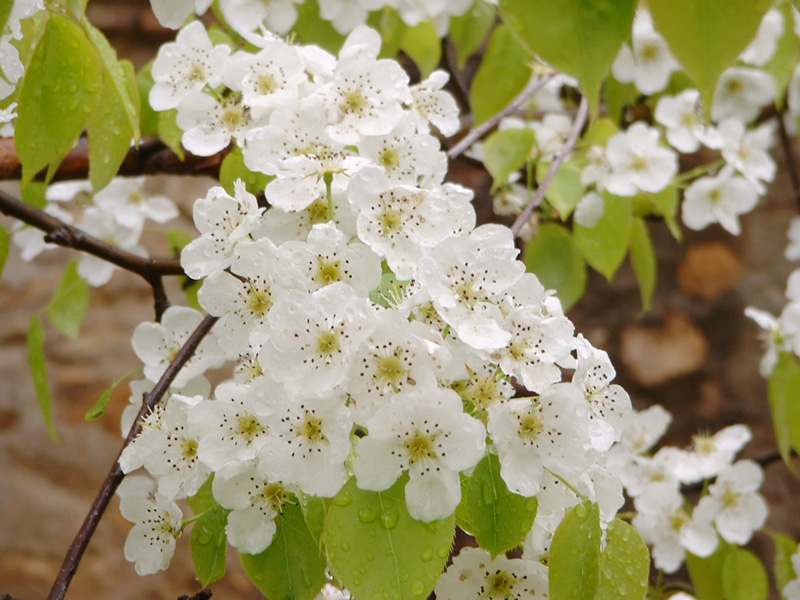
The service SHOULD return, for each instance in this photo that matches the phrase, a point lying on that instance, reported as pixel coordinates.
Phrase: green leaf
(313, 29)
(706, 573)
(39, 369)
(469, 30)
(314, 511)
(579, 37)
(5, 248)
(617, 96)
(60, 90)
(392, 29)
(422, 44)
(462, 510)
(233, 168)
(783, 394)
(744, 577)
(293, 567)
(624, 564)
(209, 545)
(68, 306)
(204, 499)
(555, 259)
(99, 409)
(505, 152)
(178, 239)
(148, 119)
(115, 122)
(378, 550)
(781, 65)
(34, 194)
(643, 259)
(688, 25)
(566, 189)
(500, 519)
(575, 554)
(5, 13)
(503, 74)
(169, 132)
(784, 569)
(605, 245)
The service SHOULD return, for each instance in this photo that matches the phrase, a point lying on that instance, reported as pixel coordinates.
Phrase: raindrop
(417, 588)
(444, 552)
(580, 510)
(367, 514)
(343, 499)
(427, 554)
(345, 546)
(389, 518)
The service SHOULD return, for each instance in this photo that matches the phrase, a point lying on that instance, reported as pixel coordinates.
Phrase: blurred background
(694, 352)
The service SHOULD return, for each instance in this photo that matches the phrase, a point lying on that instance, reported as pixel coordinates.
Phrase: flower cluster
(11, 67)
(376, 330)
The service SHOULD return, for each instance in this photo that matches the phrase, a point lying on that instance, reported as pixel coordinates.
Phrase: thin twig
(115, 475)
(201, 595)
(484, 128)
(152, 157)
(791, 162)
(62, 234)
(160, 299)
(577, 126)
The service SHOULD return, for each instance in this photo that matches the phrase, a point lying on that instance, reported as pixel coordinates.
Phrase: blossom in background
(720, 199)
(637, 162)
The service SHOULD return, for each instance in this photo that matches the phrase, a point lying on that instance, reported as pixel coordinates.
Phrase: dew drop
(356, 582)
(444, 552)
(389, 518)
(580, 510)
(370, 556)
(343, 499)
(427, 554)
(417, 588)
(622, 589)
(204, 537)
(345, 546)
(367, 514)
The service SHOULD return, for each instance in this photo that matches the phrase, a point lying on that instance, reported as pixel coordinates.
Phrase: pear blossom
(157, 526)
(131, 205)
(209, 124)
(597, 168)
(719, 199)
(589, 210)
(247, 15)
(281, 226)
(738, 510)
(431, 105)
(764, 45)
(186, 65)
(772, 337)
(740, 94)
(638, 163)
(712, 453)
(648, 64)
(791, 590)
(685, 127)
(173, 13)
(748, 151)
(157, 344)
(792, 251)
(104, 225)
(424, 432)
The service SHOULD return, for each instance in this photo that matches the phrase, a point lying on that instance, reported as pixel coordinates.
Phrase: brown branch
(160, 299)
(201, 595)
(577, 126)
(62, 234)
(115, 475)
(791, 161)
(152, 157)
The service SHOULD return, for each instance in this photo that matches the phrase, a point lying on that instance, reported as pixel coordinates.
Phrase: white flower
(173, 13)
(157, 344)
(474, 574)
(650, 64)
(792, 589)
(131, 206)
(103, 225)
(763, 46)
(186, 65)
(223, 222)
(772, 338)
(425, 432)
(642, 430)
(281, 226)
(535, 435)
(792, 251)
(712, 453)
(638, 163)
(740, 94)
(685, 127)
(590, 210)
(247, 15)
(664, 522)
(597, 168)
(158, 524)
(748, 150)
(208, 124)
(644, 471)
(737, 509)
(430, 104)
(719, 199)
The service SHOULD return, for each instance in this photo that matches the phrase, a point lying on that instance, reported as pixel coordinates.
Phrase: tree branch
(478, 132)
(62, 234)
(577, 126)
(152, 157)
(791, 161)
(115, 475)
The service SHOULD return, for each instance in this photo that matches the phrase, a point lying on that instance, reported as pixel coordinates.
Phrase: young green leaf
(38, 365)
(781, 65)
(706, 573)
(575, 554)
(313, 29)
(503, 74)
(293, 567)
(579, 37)
(99, 409)
(209, 545)
(469, 30)
(60, 90)
(378, 550)
(422, 44)
(169, 132)
(555, 259)
(504, 152)
(624, 564)
(784, 391)
(233, 168)
(178, 239)
(783, 568)
(70, 302)
(5, 248)
(643, 259)
(5, 13)
(688, 25)
(605, 245)
(500, 519)
(566, 189)
(744, 577)
(392, 29)
(204, 499)
(148, 118)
